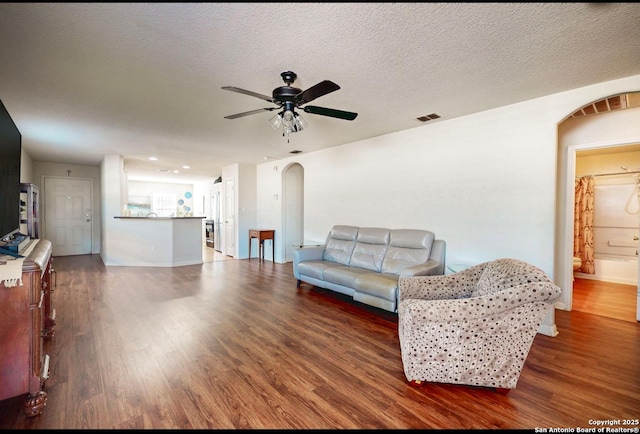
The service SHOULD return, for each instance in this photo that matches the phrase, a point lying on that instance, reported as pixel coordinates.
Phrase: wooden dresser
(27, 319)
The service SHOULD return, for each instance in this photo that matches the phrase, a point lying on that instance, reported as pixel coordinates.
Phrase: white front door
(229, 218)
(68, 215)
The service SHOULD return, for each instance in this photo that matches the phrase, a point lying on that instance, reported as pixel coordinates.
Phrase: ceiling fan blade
(316, 91)
(252, 112)
(248, 92)
(349, 116)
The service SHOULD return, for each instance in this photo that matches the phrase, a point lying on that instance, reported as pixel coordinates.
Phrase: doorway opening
(292, 209)
(605, 291)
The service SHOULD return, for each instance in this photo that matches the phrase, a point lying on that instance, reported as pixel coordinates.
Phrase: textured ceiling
(82, 80)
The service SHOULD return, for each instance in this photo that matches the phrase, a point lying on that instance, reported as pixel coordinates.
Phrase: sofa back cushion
(371, 246)
(407, 247)
(506, 273)
(340, 243)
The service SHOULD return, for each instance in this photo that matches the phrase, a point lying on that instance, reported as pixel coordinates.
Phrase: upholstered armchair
(473, 327)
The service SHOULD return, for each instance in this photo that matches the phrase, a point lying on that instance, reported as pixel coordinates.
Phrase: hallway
(209, 254)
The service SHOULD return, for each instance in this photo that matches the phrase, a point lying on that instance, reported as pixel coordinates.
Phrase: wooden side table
(261, 235)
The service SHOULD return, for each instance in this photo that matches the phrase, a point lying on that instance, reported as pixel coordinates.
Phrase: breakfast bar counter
(157, 241)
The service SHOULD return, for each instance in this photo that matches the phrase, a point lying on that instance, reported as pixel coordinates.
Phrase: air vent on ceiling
(426, 118)
(295, 152)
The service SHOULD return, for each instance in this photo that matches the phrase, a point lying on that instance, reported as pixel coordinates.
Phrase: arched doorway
(293, 209)
(582, 131)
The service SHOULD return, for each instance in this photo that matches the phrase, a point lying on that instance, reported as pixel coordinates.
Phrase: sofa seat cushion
(343, 275)
(315, 269)
(383, 285)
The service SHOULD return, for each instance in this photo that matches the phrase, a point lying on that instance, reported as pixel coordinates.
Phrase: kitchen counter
(155, 218)
(143, 241)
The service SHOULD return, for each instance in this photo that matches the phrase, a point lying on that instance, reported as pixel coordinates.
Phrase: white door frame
(230, 218)
(43, 205)
(567, 255)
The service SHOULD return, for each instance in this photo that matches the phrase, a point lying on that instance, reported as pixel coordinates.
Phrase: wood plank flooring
(612, 300)
(234, 344)
(209, 254)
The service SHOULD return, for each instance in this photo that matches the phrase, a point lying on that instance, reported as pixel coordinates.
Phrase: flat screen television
(10, 154)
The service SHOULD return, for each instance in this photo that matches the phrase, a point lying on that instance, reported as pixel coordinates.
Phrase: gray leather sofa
(366, 263)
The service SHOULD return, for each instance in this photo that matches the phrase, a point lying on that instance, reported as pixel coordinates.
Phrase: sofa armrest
(442, 286)
(314, 253)
(429, 268)
(469, 309)
(438, 287)
(437, 254)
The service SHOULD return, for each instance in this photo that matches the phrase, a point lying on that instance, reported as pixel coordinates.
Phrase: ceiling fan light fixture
(276, 121)
(287, 117)
(292, 122)
(299, 123)
(287, 121)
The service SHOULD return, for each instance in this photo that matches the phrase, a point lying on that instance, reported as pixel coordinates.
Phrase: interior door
(68, 215)
(216, 203)
(229, 217)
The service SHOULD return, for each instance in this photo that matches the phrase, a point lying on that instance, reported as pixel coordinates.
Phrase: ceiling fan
(287, 98)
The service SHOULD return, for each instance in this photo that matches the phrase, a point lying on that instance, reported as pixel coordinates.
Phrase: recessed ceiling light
(153, 158)
(176, 171)
(186, 166)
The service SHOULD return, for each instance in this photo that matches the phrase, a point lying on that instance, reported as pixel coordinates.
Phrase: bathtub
(613, 268)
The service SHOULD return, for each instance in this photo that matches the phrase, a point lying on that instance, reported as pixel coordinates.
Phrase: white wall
(201, 199)
(246, 209)
(26, 168)
(244, 176)
(113, 197)
(485, 183)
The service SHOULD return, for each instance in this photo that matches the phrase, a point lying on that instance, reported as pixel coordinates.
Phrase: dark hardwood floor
(234, 344)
